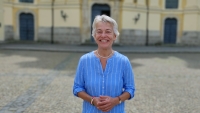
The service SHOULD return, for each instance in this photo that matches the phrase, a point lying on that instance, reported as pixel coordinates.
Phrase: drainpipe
(52, 27)
(147, 24)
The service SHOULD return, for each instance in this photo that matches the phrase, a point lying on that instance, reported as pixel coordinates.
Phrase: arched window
(27, 1)
(171, 4)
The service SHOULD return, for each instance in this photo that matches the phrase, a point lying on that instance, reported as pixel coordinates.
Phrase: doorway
(26, 27)
(170, 31)
(99, 9)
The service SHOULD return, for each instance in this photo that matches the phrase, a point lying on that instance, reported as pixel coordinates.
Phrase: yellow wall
(72, 14)
(154, 21)
(191, 22)
(1, 22)
(191, 16)
(191, 3)
(44, 17)
(129, 12)
(154, 3)
(128, 15)
(187, 14)
(199, 19)
(128, 1)
(8, 15)
(72, 19)
(129, 23)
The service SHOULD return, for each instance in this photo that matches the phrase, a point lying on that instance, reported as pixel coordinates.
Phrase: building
(1, 22)
(141, 22)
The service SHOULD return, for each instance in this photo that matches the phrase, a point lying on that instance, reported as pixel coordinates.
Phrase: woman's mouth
(104, 41)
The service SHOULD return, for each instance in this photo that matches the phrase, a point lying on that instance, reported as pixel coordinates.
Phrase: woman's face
(104, 35)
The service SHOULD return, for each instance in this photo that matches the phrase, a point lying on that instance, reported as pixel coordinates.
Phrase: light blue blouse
(117, 78)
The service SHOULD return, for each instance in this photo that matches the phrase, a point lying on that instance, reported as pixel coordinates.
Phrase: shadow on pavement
(49, 60)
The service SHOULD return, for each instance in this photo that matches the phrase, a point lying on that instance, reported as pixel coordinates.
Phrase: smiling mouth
(104, 41)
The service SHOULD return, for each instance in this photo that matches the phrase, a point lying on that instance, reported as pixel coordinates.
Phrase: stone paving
(41, 82)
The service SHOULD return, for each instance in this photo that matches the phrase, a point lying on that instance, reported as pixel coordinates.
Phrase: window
(27, 1)
(171, 4)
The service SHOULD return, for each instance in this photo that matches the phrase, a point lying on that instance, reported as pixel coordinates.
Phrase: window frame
(26, 1)
(172, 5)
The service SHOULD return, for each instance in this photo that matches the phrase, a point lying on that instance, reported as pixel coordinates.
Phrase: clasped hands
(105, 103)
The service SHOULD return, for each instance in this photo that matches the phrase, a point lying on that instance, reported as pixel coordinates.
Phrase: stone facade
(132, 37)
(138, 37)
(190, 38)
(44, 34)
(9, 33)
(61, 35)
(72, 20)
(154, 38)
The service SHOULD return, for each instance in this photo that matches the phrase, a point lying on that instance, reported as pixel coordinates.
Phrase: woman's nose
(103, 34)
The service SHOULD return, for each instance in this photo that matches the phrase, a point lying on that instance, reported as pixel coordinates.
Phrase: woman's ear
(94, 38)
(115, 37)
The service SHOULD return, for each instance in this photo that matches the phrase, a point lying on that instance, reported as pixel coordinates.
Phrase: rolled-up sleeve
(128, 79)
(79, 78)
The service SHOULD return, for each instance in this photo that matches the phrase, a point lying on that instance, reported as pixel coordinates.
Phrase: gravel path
(41, 82)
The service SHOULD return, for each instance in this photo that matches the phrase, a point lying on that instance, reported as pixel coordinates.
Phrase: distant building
(1, 22)
(141, 22)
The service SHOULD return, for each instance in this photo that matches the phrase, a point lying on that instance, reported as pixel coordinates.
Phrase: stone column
(1, 22)
(116, 15)
(85, 28)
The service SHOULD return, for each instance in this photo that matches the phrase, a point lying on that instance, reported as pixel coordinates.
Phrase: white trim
(17, 33)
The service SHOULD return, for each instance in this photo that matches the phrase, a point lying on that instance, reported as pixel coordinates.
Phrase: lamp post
(147, 24)
(52, 27)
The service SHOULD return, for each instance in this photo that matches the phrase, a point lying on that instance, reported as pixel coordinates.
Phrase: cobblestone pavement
(41, 82)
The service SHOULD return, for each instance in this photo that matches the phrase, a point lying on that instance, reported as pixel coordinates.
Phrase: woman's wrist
(92, 101)
(116, 100)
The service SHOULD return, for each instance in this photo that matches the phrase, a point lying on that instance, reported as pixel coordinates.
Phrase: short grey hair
(104, 18)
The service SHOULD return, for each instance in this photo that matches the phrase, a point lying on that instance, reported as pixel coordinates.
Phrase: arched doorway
(99, 9)
(170, 31)
(26, 26)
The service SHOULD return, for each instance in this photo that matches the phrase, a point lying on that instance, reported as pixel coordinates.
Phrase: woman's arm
(84, 96)
(128, 79)
(124, 96)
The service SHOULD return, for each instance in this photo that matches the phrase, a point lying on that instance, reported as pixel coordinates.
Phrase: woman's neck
(104, 53)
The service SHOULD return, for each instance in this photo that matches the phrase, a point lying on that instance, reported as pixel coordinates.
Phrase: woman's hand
(106, 103)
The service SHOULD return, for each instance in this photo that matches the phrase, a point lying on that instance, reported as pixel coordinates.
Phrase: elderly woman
(104, 77)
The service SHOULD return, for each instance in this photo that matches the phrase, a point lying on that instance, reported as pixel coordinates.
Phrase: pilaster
(85, 28)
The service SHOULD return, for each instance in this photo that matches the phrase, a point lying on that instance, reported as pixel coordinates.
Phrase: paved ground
(87, 48)
(41, 82)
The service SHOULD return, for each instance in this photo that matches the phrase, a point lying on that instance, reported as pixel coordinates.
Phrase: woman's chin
(104, 46)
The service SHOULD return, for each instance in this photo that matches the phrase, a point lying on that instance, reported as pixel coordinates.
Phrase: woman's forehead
(104, 25)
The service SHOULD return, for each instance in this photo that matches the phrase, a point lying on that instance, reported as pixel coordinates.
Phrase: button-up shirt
(116, 78)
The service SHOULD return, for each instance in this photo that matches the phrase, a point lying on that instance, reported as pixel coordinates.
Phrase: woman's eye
(99, 32)
(108, 32)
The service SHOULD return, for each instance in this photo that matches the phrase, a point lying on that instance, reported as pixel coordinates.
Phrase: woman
(104, 77)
